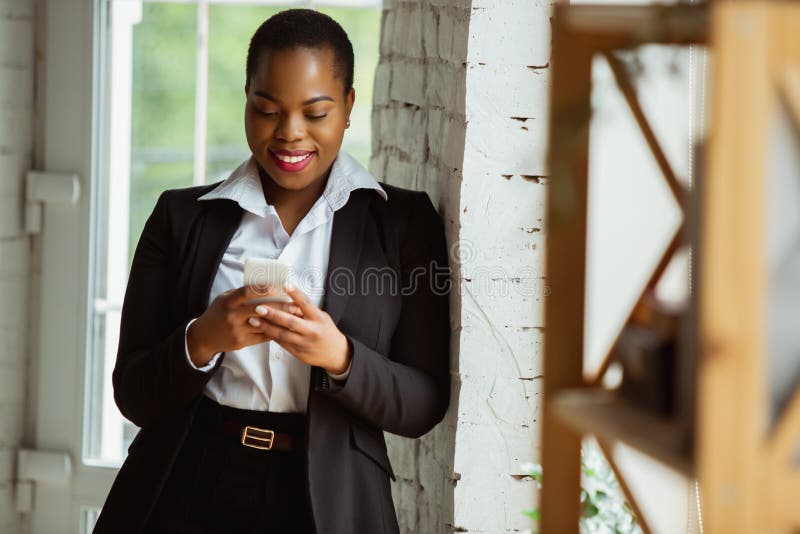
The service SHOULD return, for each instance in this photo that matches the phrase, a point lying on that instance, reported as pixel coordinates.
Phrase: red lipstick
(292, 167)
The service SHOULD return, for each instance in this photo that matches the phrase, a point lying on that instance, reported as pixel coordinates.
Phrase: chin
(291, 182)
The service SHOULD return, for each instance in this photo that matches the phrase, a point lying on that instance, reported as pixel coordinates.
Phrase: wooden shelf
(611, 419)
(746, 473)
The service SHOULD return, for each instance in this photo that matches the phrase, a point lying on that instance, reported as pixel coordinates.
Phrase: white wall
(459, 111)
(16, 153)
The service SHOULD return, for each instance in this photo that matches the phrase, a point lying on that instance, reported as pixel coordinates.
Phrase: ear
(349, 100)
(246, 88)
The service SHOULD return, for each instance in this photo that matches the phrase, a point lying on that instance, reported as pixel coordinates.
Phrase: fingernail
(254, 322)
(262, 310)
(289, 286)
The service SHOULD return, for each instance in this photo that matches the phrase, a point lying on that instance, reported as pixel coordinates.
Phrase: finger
(293, 309)
(242, 294)
(290, 322)
(255, 338)
(281, 334)
(249, 317)
(287, 307)
(257, 326)
(308, 308)
(254, 326)
(239, 315)
(290, 307)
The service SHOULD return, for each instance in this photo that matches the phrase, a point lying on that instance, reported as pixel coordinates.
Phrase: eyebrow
(308, 102)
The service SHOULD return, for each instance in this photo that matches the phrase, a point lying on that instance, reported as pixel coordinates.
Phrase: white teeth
(293, 159)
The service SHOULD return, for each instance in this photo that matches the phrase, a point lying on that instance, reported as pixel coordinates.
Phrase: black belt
(256, 429)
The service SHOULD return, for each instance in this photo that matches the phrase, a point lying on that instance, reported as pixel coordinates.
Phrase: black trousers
(217, 485)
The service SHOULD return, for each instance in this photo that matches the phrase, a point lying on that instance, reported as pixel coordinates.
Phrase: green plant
(604, 508)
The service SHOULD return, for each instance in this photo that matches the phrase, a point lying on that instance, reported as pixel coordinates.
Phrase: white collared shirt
(266, 376)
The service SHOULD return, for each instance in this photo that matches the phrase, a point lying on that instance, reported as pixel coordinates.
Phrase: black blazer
(399, 381)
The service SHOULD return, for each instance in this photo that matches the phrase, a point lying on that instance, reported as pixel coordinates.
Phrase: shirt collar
(243, 185)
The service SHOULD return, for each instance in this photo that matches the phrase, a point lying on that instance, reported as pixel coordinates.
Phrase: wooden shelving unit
(610, 418)
(718, 430)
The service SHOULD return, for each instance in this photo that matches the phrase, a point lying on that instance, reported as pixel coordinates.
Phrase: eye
(264, 113)
(317, 117)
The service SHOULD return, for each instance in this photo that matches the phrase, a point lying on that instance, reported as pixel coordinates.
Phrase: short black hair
(303, 28)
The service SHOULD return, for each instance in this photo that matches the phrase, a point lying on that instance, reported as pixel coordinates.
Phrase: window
(174, 112)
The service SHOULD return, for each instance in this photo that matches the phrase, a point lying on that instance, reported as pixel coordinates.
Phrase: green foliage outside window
(604, 509)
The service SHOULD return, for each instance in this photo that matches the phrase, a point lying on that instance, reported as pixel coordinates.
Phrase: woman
(270, 418)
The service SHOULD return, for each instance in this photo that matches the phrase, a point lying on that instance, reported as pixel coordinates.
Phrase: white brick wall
(16, 146)
(460, 111)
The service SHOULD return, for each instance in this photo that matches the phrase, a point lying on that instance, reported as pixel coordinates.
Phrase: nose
(290, 128)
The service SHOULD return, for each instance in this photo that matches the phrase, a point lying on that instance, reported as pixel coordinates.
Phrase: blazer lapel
(347, 238)
(222, 218)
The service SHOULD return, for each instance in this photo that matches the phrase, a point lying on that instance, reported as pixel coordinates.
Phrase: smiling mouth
(292, 159)
(292, 163)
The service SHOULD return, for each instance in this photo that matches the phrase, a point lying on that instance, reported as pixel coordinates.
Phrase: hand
(230, 324)
(311, 337)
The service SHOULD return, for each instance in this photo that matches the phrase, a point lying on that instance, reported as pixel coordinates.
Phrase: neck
(289, 201)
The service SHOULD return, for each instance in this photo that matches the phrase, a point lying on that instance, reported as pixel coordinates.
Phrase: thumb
(242, 294)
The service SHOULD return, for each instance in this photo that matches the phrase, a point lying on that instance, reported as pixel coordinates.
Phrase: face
(295, 115)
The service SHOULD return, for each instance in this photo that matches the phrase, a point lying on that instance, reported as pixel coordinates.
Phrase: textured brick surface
(460, 112)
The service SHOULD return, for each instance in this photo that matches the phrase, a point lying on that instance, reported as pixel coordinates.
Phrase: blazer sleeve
(407, 391)
(152, 378)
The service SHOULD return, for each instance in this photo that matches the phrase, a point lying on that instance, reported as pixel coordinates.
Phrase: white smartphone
(263, 272)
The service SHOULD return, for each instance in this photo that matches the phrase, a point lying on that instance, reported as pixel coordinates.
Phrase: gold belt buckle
(258, 438)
